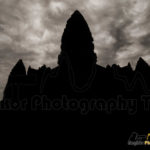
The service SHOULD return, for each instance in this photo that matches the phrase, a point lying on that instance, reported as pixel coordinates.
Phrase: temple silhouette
(118, 91)
(77, 75)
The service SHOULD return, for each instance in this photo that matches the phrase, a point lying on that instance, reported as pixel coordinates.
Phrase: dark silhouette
(16, 82)
(77, 77)
(77, 44)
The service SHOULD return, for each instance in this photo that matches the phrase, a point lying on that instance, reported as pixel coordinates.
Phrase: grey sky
(32, 29)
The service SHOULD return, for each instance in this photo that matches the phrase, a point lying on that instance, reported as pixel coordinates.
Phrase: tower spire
(77, 40)
(77, 51)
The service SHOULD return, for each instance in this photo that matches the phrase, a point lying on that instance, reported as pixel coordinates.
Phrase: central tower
(77, 50)
(77, 41)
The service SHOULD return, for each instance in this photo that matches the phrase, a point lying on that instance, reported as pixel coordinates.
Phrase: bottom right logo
(136, 139)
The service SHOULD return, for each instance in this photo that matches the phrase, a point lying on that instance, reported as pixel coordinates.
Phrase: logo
(147, 142)
(136, 139)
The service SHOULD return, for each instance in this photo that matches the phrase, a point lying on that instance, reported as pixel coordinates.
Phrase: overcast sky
(32, 30)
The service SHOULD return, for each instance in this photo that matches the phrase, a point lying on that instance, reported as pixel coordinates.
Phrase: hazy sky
(32, 30)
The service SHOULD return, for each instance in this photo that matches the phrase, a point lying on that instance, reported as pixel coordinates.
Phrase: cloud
(32, 30)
